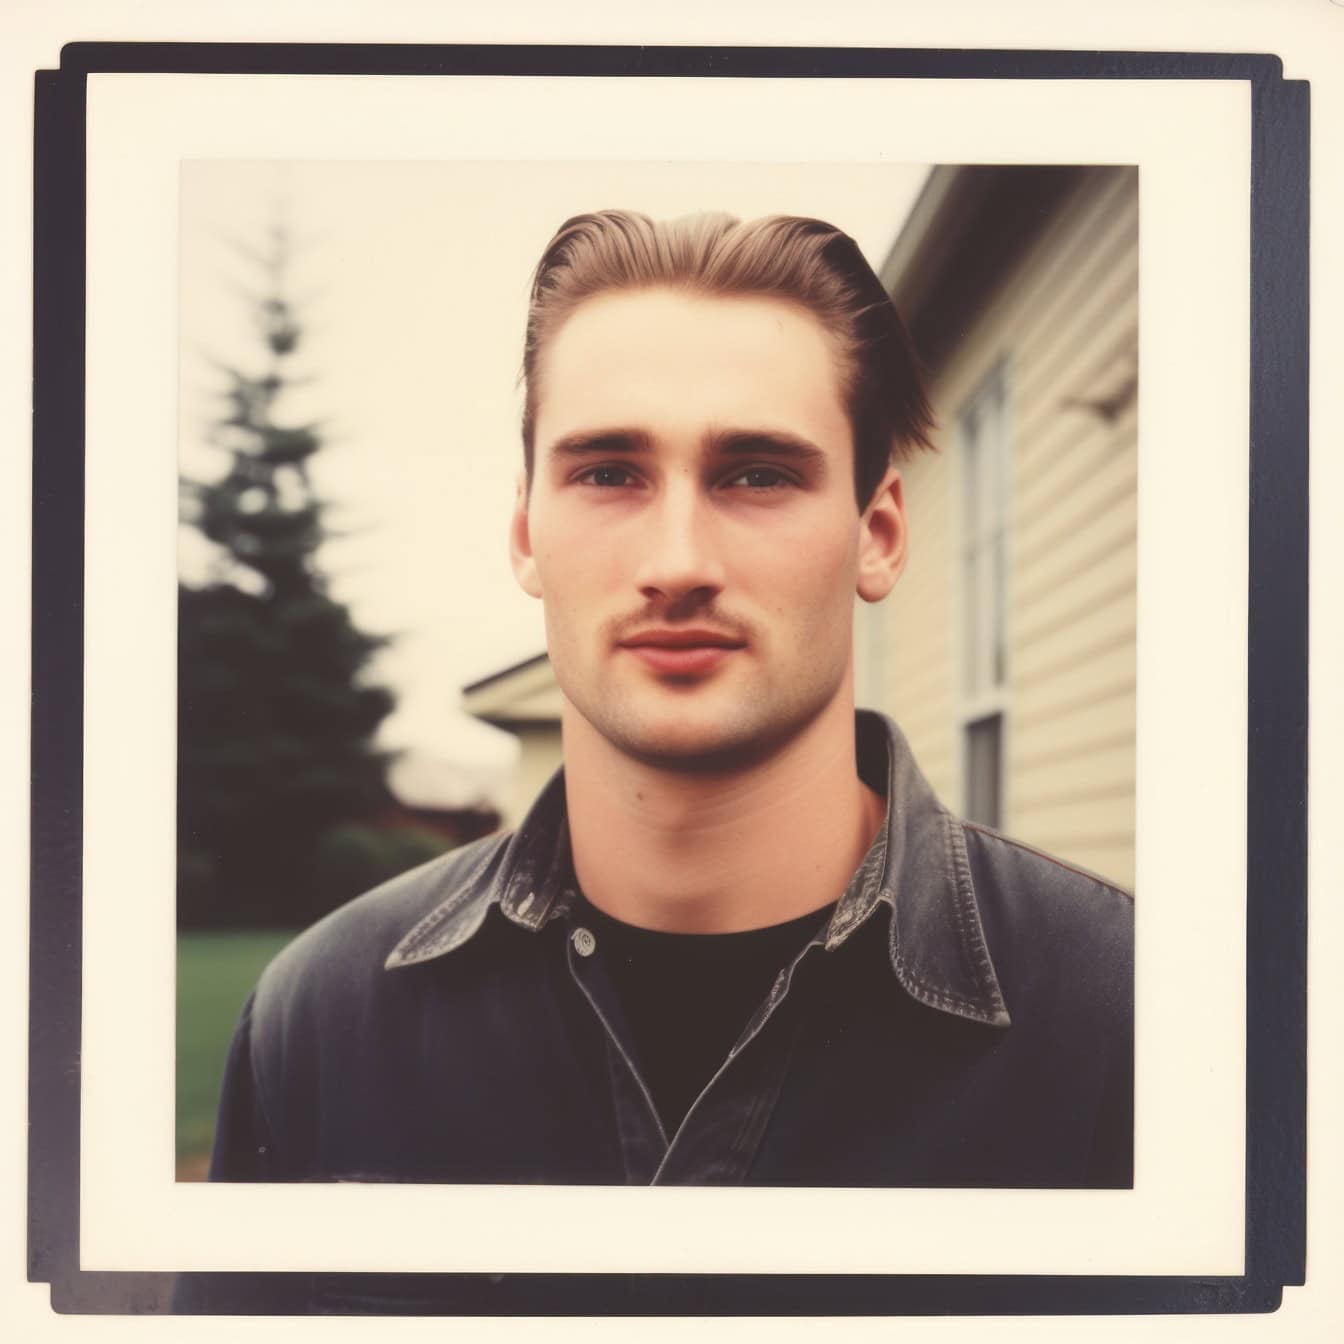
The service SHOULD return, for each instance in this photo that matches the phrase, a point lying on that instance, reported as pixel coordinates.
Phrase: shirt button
(584, 942)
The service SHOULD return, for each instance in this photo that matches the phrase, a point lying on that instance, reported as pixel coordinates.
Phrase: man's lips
(681, 639)
(681, 652)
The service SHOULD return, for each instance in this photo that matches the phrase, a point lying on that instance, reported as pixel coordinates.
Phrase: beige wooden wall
(1066, 323)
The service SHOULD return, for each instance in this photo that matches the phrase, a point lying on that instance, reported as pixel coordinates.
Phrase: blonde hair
(806, 261)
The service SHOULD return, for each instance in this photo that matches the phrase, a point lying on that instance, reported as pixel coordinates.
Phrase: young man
(737, 940)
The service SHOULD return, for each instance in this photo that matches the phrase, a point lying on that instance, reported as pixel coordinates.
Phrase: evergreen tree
(275, 716)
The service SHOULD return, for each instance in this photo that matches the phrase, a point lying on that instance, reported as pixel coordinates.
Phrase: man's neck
(718, 853)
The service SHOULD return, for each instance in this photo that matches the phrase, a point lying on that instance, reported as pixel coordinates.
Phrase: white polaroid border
(1185, 1215)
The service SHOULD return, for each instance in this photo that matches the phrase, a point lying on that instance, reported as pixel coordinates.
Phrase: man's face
(691, 526)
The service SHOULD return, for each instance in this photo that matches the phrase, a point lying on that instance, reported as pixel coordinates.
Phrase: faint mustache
(632, 627)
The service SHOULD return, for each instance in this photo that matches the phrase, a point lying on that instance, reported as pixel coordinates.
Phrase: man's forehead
(654, 307)
(728, 362)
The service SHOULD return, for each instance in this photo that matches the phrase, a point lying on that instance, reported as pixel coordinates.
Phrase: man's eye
(606, 475)
(760, 478)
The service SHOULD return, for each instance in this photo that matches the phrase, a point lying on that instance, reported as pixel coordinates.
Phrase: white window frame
(973, 703)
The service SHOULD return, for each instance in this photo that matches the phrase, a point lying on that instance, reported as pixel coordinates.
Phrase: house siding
(1064, 323)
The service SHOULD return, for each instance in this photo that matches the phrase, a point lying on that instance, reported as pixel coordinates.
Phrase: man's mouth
(681, 652)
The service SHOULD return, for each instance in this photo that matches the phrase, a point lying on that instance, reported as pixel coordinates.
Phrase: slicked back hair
(804, 261)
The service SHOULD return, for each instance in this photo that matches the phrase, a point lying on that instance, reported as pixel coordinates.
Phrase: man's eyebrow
(772, 442)
(585, 442)
(718, 442)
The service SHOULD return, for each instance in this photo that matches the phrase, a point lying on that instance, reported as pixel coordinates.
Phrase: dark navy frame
(1277, 692)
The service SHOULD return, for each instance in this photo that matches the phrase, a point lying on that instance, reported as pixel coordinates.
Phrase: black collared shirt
(964, 1018)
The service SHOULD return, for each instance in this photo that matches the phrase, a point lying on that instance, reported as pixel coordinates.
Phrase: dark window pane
(984, 757)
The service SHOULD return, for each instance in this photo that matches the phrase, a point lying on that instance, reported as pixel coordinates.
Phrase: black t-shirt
(687, 996)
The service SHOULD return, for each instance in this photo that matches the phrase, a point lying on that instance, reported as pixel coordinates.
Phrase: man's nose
(678, 556)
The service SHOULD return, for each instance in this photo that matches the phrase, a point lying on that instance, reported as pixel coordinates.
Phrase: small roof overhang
(521, 696)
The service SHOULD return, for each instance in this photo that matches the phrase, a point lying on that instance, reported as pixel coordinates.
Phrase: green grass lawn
(215, 971)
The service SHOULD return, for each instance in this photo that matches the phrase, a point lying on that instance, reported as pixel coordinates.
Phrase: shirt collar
(916, 867)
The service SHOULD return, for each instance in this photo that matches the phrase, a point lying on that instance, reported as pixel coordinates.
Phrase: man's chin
(719, 729)
(694, 748)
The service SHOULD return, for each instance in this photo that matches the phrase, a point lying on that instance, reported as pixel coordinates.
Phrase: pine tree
(276, 718)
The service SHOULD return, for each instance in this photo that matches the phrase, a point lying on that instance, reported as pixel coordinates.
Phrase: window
(984, 769)
(984, 563)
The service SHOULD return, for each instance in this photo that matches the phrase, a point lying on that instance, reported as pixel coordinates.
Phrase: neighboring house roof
(523, 695)
(967, 227)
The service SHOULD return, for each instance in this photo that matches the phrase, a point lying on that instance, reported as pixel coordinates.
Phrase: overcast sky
(412, 284)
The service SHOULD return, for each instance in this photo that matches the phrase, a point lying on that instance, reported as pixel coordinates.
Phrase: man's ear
(882, 539)
(520, 542)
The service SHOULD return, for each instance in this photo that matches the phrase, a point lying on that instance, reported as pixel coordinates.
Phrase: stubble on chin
(723, 738)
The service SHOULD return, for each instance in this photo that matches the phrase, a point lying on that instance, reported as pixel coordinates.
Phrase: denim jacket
(963, 1019)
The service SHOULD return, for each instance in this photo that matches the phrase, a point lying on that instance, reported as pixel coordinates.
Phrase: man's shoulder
(348, 949)
(1047, 913)
(1028, 867)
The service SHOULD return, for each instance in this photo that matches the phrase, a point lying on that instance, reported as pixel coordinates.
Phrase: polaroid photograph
(684, 622)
